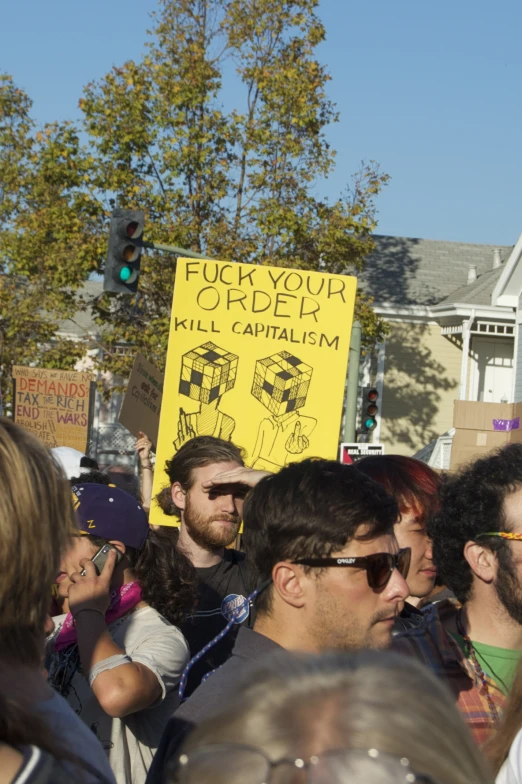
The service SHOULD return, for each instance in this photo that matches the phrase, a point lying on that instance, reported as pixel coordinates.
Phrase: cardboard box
(482, 427)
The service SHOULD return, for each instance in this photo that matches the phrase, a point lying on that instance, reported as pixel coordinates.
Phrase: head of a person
(336, 718)
(483, 498)
(108, 515)
(36, 521)
(125, 478)
(211, 518)
(105, 514)
(73, 462)
(414, 486)
(310, 512)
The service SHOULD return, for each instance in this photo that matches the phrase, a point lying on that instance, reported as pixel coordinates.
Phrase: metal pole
(174, 249)
(352, 383)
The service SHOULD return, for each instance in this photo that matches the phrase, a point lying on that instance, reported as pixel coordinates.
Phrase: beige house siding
(421, 381)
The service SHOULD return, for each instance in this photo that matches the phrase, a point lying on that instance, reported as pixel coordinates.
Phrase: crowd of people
(326, 623)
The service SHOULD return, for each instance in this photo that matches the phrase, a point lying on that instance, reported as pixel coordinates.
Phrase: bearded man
(208, 482)
(475, 645)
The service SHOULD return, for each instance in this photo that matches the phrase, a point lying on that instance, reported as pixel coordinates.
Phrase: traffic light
(122, 268)
(370, 409)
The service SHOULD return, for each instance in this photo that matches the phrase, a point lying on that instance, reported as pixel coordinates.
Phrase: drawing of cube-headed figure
(207, 372)
(281, 384)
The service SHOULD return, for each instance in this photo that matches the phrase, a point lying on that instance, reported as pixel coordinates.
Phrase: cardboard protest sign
(257, 355)
(141, 405)
(55, 405)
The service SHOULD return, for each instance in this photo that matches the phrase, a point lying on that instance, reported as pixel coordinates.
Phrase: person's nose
(429, 550)
(397, 589)
(228, 504)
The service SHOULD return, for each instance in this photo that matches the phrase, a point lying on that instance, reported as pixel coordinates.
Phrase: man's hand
(185, 430)
(238, 476)
(143, 447)
(92, 590)
(297, 443)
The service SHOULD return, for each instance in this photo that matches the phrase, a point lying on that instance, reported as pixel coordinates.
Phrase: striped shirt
(432, 645)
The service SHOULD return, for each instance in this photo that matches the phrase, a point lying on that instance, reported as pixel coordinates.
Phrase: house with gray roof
(452, 309)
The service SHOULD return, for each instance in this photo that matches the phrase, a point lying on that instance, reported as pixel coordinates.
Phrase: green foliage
(237, 183)
(50, 235)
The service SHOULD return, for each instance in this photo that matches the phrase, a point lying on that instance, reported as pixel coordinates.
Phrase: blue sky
(430, 90)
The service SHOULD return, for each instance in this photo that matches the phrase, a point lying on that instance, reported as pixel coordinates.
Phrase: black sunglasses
(379, 566)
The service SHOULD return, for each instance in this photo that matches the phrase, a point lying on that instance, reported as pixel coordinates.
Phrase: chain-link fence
(113, 444)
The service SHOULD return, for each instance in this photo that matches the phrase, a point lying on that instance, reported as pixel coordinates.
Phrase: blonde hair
(300, 706)
(36, 520)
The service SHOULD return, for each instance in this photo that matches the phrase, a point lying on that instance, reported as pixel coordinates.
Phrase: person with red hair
(414, 486)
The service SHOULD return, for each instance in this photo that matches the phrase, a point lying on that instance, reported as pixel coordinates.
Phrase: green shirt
(499, 663)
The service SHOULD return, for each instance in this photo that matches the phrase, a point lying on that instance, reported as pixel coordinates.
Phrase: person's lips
(226, 520)
(429, 572)
(387, 622)
(61, 576)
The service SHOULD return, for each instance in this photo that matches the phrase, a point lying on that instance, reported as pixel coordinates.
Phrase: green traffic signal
(122, 267)
(370, 409)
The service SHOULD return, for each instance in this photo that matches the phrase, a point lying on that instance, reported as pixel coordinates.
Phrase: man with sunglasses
(319, 539)
(475, 644)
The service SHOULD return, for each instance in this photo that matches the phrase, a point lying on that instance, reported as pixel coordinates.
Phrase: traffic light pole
(352, 384)
(174, 249)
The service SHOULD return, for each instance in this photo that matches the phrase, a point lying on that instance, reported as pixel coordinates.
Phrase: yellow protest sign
(257, 355)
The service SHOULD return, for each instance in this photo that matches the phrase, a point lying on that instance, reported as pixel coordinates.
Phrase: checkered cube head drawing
(207, 372)
(281, 382)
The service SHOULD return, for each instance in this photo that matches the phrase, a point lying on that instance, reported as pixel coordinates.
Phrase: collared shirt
(431, 644)
(210, 697)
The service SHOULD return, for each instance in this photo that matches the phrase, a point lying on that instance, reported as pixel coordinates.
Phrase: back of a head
(338, 707)
(195, 453)
(125, 479)
(311, 509)
(471, 503)
(36, 519)
(413, 483)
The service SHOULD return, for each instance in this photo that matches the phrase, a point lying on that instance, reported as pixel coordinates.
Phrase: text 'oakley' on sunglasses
(379, 566)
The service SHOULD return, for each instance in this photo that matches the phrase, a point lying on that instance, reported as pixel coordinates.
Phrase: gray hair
(304, 705)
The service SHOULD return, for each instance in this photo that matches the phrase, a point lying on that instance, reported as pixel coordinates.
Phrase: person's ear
(289, 583)
(179, 496)
(482, 561)
(119, 546)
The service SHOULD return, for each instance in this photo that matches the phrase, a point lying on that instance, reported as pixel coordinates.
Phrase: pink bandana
(122, 601)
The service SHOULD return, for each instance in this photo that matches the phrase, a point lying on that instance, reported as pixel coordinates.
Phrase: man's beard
(202, 531)
(509, 590)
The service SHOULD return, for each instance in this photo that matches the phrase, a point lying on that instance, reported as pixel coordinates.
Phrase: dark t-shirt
(223, 590)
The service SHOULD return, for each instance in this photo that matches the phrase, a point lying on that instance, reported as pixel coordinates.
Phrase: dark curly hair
(93, 477)
(167, 578)
(471, 503)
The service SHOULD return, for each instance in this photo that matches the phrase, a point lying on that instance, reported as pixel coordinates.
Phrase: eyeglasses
(231, 762)
(502, 535)
(379, 566)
